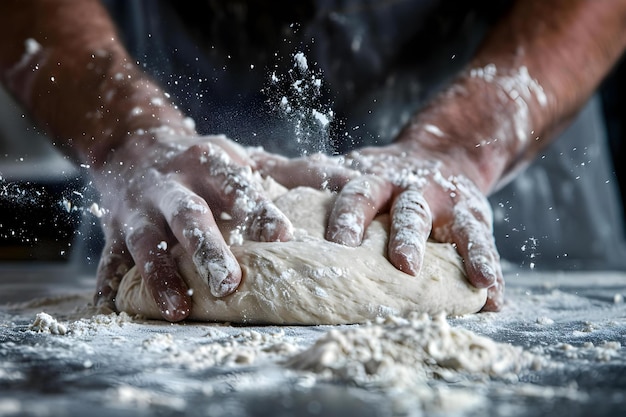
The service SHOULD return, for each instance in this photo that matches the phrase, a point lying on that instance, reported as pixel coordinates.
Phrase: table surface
(120, 368)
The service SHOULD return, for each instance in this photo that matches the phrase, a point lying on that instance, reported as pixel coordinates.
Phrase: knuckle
(197, 151)
(410, 207)
(206, 153)
(406, 238)
(188, 206)
(138, 232)
(361, 190)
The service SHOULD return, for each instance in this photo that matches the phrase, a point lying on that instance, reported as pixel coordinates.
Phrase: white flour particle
(45, 323)
(189, 123)
(301, 62)
(320, 117)
(96, 210)
(433, 129)
(32, 46)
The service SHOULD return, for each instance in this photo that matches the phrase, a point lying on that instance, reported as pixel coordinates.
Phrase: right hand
(159, 190)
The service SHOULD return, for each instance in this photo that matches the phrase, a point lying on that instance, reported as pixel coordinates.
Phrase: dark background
(613, 93)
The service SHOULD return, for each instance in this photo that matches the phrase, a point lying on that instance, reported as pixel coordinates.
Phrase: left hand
(426, 194)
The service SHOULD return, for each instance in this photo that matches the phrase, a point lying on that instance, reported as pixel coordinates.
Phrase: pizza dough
(312, 281)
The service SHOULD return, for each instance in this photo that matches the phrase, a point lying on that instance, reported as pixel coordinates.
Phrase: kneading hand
(170, 189)
(425, 195)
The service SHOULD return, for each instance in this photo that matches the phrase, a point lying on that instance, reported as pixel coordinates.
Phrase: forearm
(534, 71)
(70, 71)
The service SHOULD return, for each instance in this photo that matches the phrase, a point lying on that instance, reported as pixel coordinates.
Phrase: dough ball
(310, 281)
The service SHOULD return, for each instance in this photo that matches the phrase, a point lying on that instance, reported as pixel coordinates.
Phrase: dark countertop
(575, 320)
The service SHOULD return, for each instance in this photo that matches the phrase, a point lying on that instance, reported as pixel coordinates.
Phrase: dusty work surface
(559, 344)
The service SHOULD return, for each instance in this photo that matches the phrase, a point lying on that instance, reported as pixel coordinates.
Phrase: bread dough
(313, 281)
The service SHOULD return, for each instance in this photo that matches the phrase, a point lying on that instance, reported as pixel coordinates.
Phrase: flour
(297, 96)
(588, 351)
(45, 323)
(402, 357)
(98, 322)
(393, 352)
(419, 365)
(398, 353)
(220, 349)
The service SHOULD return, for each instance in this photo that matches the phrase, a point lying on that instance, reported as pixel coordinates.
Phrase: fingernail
(226, 286)
(276, 231)
(345, 237)
(175, 306)
(104, 299)
(404, 260)
(486, 274)
(222, 276)
(495, 300)
(346, 231)
(219, 268)
(270, 225)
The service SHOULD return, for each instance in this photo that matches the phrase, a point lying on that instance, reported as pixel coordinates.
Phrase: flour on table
(400, 352)
(401, 357)
(90, 323)
(45, 323)
(310, 280)
(246, 348)
(602, 352)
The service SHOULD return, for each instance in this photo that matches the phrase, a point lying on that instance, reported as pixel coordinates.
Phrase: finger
(495, 296)
(267, 223)
(235, 192)
(411, 223)
(149, 247)
(249, 205)
(473, 237)
(355, 207)
(192, 223)
(477, 247)
(114, 264)
(317, 171)
(235, 151)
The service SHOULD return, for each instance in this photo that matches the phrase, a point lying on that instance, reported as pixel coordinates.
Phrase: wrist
(111, 102)
(485, 124)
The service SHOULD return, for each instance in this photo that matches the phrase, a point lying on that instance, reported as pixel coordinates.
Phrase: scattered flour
(45, 323)
(602, 352)
(545, 321)
(98, 322)
(421, 365)
(400, 352)
(392, 352)
(96, 210)
(246, 348)
(297, 95)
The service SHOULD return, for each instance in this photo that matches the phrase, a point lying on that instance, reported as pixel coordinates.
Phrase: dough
(312, 281)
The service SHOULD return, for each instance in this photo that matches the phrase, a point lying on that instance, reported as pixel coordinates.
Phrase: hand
(161, 189)
(426, 195)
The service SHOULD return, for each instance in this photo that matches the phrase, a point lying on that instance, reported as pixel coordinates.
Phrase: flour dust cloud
(297, 96)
